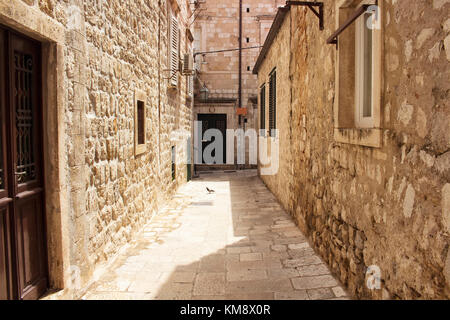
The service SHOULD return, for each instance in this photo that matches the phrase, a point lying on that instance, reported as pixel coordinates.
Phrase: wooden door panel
(6, 266)
(3, 151)
(4, 261)
(30, 242)
(5, 255)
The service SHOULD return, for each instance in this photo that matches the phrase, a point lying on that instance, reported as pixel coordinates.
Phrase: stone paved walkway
(237, 243)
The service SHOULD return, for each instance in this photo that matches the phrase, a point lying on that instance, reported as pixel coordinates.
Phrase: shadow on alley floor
(234, 244)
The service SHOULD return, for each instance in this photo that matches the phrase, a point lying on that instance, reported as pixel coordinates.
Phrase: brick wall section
(363, 206)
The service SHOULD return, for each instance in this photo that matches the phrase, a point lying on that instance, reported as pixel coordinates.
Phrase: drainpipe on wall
(240, 56)
(159, 86)
(240, 66)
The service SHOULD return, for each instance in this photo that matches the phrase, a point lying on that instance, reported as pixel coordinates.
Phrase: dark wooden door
(22, 171)
(214, 121)
(6, 265)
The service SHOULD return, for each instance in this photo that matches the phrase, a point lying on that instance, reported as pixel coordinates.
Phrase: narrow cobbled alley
(234, 243)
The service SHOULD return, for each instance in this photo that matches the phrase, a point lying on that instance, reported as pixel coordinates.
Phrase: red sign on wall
(241, 111)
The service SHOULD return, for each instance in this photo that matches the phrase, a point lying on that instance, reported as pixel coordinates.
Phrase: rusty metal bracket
(312, 6)
(333, 39)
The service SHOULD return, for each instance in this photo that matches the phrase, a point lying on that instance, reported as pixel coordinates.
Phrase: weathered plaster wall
(107, 50)
(384, 206)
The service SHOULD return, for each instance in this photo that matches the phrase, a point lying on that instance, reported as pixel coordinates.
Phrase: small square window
(248, 39)
(248, 9)
(248, 68)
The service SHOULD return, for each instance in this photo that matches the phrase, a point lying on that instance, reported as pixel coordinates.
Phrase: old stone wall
(126, 53)
(364, 206)
(110, 50)
(276, 58)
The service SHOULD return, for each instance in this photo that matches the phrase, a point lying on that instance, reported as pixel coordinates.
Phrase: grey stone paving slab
(302, 261)
(244, 275)
(320, 294)
(250, 256)
(292, 295)
(314, 282)
(209, 284)
(313, 270)
(251, 296)
(283, 273)
(255, 286)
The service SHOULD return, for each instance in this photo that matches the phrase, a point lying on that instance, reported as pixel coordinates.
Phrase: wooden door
(214, 121)
(23, 174)
(6, 283)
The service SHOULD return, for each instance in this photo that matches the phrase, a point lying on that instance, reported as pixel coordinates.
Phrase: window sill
(362, 137)
(140, 149)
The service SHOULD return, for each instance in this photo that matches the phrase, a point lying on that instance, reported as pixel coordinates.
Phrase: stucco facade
(368, 197)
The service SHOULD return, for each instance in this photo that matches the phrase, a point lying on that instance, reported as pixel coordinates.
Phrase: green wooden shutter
(272, 101)
(263, 108)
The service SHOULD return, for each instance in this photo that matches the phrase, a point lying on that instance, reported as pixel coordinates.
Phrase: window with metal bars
(273, 102)
(262, 116)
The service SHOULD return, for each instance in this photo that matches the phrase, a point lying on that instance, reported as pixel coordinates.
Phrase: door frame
(27, 21)
(13, 189)
(5, 201)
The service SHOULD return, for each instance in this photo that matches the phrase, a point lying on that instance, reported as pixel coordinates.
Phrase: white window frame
(363, 22)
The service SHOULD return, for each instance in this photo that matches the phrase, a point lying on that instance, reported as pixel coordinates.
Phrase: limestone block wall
(362, 206)
(126, 53)
(108, 51)
(278, 57)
